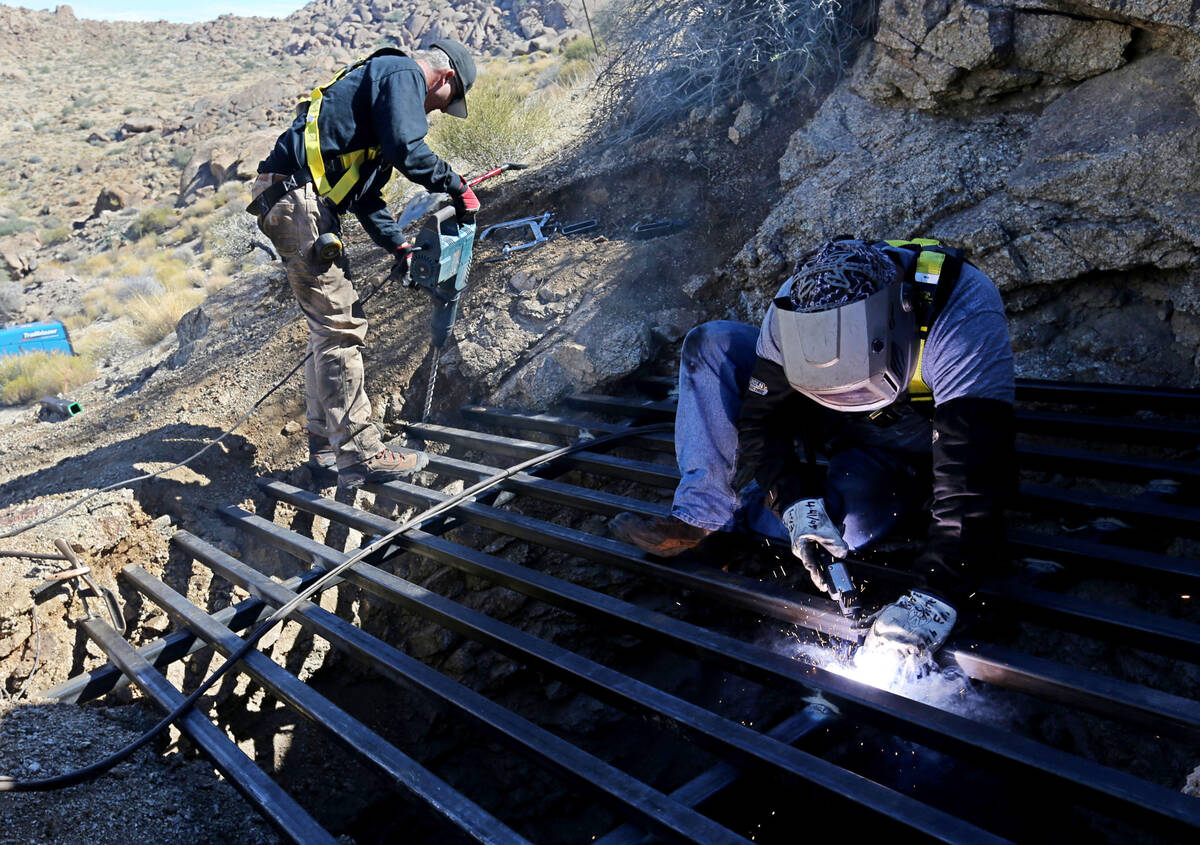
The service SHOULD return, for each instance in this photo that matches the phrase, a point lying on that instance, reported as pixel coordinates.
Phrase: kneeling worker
(337, 156)
(895, 360)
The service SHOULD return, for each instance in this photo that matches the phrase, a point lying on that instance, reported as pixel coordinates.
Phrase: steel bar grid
(1026, 765)
(1026, 760)
(290, 819)
(745, 744)
(354, 735)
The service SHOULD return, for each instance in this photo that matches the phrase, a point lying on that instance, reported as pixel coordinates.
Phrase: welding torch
(830, 575)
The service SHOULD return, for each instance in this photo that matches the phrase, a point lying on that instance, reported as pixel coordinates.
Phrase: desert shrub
(504, 126)
(580, 48)
(153, 221)
(24, 378)
(55, 235)
(14, 225)
(12, 300)
(671, 57)
(154, 317)
(180, 157)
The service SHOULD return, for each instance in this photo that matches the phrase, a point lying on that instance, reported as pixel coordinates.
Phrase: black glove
(400, 267)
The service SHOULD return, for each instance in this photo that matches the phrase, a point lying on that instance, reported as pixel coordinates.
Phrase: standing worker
(894, 359)
(337, 156)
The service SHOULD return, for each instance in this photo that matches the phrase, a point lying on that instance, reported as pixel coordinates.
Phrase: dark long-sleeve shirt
(381, 103)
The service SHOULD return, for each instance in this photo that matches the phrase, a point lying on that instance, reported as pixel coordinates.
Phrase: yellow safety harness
(934, 276)
(351, 162)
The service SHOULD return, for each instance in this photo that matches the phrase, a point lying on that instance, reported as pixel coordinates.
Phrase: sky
(168, 10)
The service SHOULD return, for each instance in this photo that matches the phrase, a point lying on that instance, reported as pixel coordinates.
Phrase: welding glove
(913, 627)
(813, 534)
(465, 201)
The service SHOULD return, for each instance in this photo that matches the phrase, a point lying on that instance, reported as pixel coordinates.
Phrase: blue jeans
(870, 489)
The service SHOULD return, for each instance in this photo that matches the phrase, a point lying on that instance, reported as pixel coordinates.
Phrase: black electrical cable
(8, 784)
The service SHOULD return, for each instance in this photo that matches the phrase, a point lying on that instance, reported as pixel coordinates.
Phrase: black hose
(8, 784)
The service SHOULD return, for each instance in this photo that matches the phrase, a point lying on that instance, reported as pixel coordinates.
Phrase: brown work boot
(392, 464)
(664, 536)
(320, 453)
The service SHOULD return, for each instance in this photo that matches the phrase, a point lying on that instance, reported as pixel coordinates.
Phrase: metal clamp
(653, 228)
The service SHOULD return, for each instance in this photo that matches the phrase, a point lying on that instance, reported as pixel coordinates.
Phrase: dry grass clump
(154, 316)
(25, 378)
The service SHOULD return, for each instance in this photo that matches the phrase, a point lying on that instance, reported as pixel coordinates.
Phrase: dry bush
(504, 125)
(666, 58)
(154, 317)
(25, 378)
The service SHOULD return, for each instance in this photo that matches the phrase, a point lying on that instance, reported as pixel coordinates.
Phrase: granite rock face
(1057, 144)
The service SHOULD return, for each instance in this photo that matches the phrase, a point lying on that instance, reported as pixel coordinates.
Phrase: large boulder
(936, 54)
(1077, 197)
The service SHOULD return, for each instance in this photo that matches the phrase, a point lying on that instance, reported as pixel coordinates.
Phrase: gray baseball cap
(464, 71)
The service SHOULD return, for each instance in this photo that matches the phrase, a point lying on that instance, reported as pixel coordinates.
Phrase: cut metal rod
(715, 732)
(655, 475)
(164, 651)
(630, 796)
(354, 735)
(287, 817)
(1029, 762)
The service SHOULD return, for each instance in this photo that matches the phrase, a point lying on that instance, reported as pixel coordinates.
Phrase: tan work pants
(338, 408)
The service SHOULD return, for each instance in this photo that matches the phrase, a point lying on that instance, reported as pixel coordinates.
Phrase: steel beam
(546, 489)
(747, 746)
(429, 789)
(630, 796)
(654, 475)
(164, 651)
(291, 820)
(1127, 397)
(1121, 625)
(1163, 713)
(723, 775)
(563, 426)
(1025, 760)
(1181, 518)
(1101, 559)
(1111, 698)
(748, 593)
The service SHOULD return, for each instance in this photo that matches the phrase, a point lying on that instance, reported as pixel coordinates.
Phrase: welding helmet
(846, 329)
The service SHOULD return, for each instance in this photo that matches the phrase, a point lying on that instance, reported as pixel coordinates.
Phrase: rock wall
(1056, 142)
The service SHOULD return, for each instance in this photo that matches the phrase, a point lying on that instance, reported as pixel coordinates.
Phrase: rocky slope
(1057, 142)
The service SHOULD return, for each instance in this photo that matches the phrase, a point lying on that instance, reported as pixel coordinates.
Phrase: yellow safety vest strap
(351, 161)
